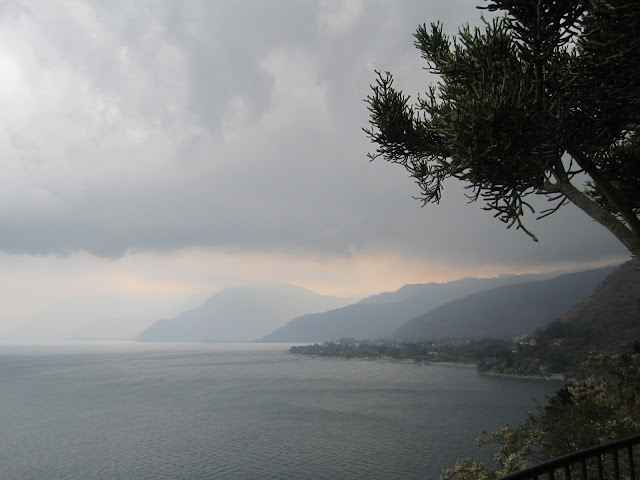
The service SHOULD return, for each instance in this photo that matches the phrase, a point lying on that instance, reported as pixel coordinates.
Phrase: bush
(602, 407)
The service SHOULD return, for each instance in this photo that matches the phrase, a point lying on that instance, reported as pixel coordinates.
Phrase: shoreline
(554, 376)
(409, 361)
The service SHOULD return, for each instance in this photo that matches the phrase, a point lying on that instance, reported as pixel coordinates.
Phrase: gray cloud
(166, 125)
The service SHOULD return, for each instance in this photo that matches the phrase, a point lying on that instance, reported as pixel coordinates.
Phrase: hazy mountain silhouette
(604, 321)
(240, 314)
(380, 315)
(506, 311)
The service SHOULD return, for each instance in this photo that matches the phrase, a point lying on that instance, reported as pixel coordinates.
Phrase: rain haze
(155, 152)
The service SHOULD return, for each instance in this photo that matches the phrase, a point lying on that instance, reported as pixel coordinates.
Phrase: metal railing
(612, 461)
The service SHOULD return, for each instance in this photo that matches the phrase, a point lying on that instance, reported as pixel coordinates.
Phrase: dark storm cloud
(165, 125)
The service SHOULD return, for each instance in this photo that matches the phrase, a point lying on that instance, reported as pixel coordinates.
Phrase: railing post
(583, 468)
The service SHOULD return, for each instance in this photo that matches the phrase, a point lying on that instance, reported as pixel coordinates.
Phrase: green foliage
(603, 407)
(470, 470)
(545, 92)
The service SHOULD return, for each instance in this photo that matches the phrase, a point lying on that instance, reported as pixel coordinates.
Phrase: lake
(131, 410)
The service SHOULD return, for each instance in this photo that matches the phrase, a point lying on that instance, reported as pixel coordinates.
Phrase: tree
(536, 101)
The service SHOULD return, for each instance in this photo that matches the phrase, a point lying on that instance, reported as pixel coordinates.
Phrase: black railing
(612, 461)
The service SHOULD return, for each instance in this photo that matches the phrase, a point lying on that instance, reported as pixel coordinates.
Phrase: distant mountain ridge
(240, 314)
(503, 306)
(608, 320)
(463, 286)
(506, 311)
(381, 315)
(605, 321)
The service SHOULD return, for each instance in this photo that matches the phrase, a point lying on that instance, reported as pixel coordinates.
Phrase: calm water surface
(240, 411)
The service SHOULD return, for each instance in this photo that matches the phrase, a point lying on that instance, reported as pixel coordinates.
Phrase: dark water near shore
(240, 411)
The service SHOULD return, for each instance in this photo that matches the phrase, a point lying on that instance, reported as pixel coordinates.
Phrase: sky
(155, 152)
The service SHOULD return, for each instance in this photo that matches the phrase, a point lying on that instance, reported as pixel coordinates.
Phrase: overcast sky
(154, 152)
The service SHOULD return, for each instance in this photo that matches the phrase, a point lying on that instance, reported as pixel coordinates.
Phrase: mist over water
(246, 411)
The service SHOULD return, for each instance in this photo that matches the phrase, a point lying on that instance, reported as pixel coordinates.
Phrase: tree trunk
(628, 238)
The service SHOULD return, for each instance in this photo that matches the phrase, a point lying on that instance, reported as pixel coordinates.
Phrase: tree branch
(600, 215)
(608, 191)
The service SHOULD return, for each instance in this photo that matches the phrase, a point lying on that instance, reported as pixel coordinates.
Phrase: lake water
(240, 411)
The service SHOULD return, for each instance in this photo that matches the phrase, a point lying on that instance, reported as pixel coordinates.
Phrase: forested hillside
(505, 312)
(604, 321)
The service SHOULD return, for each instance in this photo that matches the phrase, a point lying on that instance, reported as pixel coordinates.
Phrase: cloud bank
(158, 126)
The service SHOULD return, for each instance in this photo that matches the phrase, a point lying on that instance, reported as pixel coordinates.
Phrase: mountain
(238, 314)
(604, 321)
(506, 311)
(607, 320)
(378, 316)
(611, 315)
